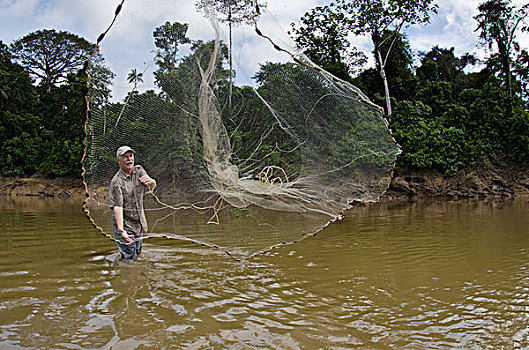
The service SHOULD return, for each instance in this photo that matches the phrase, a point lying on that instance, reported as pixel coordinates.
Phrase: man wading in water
(126, 202)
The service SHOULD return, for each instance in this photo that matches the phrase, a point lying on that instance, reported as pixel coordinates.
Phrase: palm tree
(134, 78)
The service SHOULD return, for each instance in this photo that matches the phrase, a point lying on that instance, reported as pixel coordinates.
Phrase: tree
(522, 70)
(399, 73)
(375, 17)
(135, 77)
(167, 39)
(17, 94)
(235, 12)
(20, 126)
(441, 65)
(398, 65)
(49, 56)
(323, 40)
(63, 115)
(498, 23)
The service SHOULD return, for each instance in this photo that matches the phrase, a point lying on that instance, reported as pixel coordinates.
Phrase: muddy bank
(42, 187)
(484, 183)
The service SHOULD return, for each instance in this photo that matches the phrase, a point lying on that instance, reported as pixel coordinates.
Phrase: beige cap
(122, 150)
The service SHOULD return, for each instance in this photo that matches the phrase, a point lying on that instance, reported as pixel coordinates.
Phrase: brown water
(416, 276)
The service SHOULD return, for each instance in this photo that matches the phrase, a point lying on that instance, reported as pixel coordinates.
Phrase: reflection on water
(423, 275)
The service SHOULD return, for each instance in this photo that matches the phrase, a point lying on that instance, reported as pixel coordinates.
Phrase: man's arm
(118, 216)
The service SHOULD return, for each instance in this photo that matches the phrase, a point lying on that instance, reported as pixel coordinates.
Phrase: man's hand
(148, 181)
(124, 234)
(118, 216)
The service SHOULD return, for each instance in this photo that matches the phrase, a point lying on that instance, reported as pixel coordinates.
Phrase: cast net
(251, 144)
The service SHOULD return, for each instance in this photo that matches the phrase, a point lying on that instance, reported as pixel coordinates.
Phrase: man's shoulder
(115, 178)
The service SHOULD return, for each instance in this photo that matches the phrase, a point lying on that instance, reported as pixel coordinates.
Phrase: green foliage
(444, 118)
(324, 40)
(41, 128)
(450, 131)
(426, 142)
(498, 23)
(63, 113)
(21, 143)
(50, 56)
(17, 93)
(167, 38)
(436, 95)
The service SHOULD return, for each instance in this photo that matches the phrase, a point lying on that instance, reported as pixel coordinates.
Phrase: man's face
(126, 161)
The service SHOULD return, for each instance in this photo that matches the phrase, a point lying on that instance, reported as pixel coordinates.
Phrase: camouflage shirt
(127, 191)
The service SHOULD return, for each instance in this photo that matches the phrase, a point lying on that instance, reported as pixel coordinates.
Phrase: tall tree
(233, 12)
(323, 40)
(167, 39)
(50, 55)
(376, 17)
(498, 23)
(399, 73)
(20, 125)
(522, 71)
(135, 77)
(442, 65)
(17, 94)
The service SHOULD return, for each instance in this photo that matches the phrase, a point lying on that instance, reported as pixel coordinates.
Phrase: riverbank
(482, 183)
(479, 183)
(39, 186)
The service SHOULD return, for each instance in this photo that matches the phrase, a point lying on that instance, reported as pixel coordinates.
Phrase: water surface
(412, 275)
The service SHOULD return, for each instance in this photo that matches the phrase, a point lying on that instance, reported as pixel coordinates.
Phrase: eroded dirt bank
(42, 187)
(474, 184)
(484, 183)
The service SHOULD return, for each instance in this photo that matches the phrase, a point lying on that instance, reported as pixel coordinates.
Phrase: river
(427, 275)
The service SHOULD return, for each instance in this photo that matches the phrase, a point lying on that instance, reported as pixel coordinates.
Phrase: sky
(453, 26)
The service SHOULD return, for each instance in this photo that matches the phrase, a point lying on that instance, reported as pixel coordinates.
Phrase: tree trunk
(231, 64)
(104, 120)
(506, 63)
(505, 60)
(385, 81)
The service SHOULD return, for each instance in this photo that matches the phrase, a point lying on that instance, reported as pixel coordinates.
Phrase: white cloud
(16, 18)
(454, 26)
(84, 18)
(17, 8)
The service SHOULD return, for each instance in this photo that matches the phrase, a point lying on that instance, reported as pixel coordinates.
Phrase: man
(126, 202)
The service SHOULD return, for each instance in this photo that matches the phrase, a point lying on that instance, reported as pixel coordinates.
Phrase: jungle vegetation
(449, 113)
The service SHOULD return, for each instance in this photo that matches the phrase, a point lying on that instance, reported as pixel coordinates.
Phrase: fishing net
(251, 144)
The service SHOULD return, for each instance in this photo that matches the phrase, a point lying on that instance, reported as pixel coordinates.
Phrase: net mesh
(251, 144)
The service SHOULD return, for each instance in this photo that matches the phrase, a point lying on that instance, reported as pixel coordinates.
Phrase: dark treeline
(448, 113)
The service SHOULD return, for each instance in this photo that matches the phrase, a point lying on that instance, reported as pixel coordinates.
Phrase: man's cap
(122, 150)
